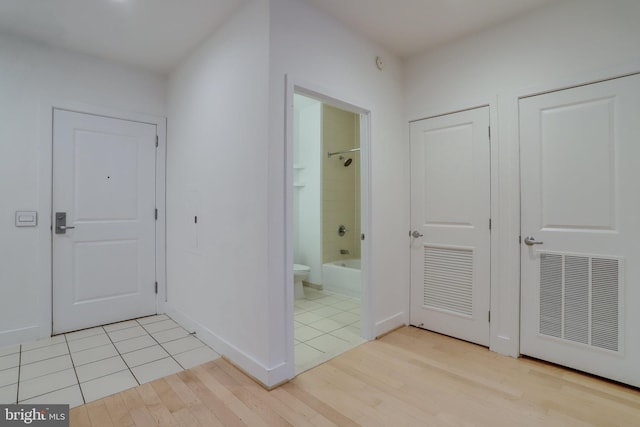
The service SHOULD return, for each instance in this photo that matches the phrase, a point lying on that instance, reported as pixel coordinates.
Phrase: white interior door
(104, 182)
(450, 214)
(580, 201)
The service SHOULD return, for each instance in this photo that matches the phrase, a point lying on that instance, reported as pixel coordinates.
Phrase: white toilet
(300, 272)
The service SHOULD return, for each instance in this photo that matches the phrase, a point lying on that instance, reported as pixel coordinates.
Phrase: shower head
(346, 161)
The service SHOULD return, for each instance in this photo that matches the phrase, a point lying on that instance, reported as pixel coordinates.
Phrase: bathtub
(342, 277)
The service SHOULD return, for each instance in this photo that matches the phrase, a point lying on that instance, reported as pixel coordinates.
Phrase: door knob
(61, 223)
(530, 241)
(416, 234)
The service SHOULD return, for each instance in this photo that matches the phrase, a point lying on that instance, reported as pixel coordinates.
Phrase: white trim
(161, 223)
(505, 289)
(288, 229)
(454, 108)
(366, 328)
(258, 370)
(389, 324)
(45, 201)
(10, 337)
(292, 86)
(318, 94)
(582, 79)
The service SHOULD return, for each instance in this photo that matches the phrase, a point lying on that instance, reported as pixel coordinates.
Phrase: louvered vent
(448, 278)
(604, 303)
(576, 299)
(551, 295)
(579, 299)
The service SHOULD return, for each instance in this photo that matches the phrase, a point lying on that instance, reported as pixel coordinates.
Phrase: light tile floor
(80, 367)
(326, 324)
(87, 365)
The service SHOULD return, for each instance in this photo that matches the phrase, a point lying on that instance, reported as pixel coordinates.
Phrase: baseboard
(391, 331)
(504, 345)
(267, 377)
(260, 383)
(19, 336)
(389, 324)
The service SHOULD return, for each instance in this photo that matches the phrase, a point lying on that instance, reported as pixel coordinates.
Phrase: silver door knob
(530, 241)
(416, 234)
(61, 223)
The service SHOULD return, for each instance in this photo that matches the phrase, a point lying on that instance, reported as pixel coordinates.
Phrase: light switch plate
(26, 218)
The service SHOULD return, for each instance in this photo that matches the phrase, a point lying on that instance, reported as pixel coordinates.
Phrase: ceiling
(408, 27)
(157, 34)
(153, 34)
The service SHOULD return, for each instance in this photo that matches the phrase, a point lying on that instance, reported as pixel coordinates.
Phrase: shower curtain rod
(343, 152)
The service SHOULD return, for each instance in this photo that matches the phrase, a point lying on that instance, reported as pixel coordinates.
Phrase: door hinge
(156, 214)
(489, 316)
(156, 141)
(489, 132)
(489, 223)
(519, 240)
(361, 236)
(156, 287)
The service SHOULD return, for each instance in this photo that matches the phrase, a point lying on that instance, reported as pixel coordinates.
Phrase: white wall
(217, 169)
(33, 78)
(572, 42)
(307, 186)
(229, 275)
(317, 52)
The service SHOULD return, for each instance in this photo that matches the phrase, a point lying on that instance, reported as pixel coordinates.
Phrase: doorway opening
(329, 197)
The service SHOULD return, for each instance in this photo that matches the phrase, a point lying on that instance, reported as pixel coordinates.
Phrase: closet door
(450, 211)
(580, 251)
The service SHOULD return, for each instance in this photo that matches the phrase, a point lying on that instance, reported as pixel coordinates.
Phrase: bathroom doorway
(328, 228)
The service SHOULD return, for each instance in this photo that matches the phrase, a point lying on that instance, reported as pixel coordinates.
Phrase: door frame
(294, 86)
(46, 201)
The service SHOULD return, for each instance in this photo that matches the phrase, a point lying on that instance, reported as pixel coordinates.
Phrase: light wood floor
(407, 378)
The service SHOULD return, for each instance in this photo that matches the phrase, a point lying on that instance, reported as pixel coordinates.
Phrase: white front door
(580, 282)
(450, 214)
(103, 220)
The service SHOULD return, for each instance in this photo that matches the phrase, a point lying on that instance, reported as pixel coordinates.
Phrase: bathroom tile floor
(326, 324)
(87, 365)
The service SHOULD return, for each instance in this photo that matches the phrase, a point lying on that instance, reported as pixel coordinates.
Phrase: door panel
(104, 180)
(577, 153)
(580, 200)
(450, 210)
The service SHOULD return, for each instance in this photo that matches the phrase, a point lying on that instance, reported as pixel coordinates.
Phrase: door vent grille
(580, 299)
(551, 295)
(448, 279)
(576, 299)
(605, 309)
